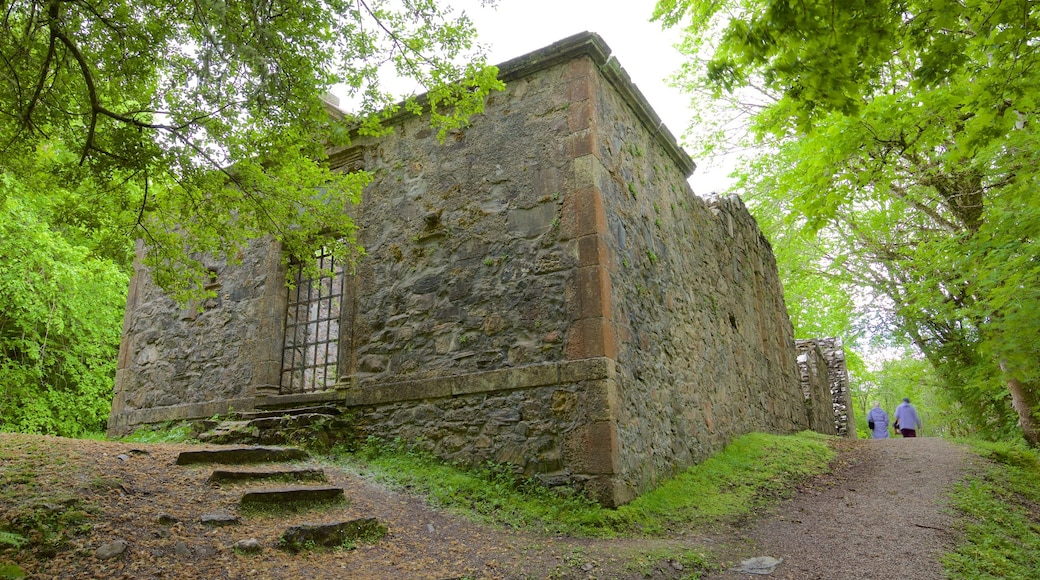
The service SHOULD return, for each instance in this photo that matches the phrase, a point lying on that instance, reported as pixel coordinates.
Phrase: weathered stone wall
(822, 362)
(473, 273)
(202, 359)
(587, 243)
(705, 349)
(466, 270)
(816, 388)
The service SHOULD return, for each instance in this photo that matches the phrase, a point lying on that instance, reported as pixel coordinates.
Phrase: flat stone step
(299, 537)
(300, 420)
(242, 455)
(274, 496)
(239, 475)
(317, 410)
(218, 520)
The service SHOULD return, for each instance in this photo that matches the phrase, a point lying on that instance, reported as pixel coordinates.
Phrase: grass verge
(174, 432)
(751, 472)
(999, 510)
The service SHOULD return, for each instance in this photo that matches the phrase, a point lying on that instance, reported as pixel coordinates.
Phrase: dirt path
(878, 512)
(878, 517)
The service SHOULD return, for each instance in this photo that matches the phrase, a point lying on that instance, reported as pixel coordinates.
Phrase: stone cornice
(593, 46)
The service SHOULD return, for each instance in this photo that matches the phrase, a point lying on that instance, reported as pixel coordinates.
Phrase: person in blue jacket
(907, 419)
(879, 418)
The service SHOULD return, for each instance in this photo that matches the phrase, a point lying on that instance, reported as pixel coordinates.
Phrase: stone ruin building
(544, 290)
(823, 373)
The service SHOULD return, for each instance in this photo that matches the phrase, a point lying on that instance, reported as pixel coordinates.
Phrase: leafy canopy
(901, 147)
(200, 125)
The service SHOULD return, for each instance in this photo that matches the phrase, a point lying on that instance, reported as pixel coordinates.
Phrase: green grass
(753, 471)
(999, 511)
(647, 563)
(164, 433)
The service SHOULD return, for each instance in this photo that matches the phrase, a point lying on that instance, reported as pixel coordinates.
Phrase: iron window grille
(310, 355)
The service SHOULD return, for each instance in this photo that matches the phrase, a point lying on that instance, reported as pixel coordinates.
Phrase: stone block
(593, 293)
(587, 369)
(297, 538)
(280, 496)
(590, 337)
(593, 250)
(242, 455)
(578, 68)
(589, 172)
(609, 492)
(583, 214)
(240, 475)
(532, 222)
(580, 89)
(598, 401)
(581, 143)
(592, 449)
(580, 117)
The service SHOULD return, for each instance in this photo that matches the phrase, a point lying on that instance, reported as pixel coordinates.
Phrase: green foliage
(198, 126)
(491, 492)
(64, 290)
(900, 173)
(648, 563)
(753, 471)
(166, 433)
(12, 539)
(11, 572)
(1001, 527)
(50, 525)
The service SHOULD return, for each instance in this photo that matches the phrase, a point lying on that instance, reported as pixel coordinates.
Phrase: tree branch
(52, 23)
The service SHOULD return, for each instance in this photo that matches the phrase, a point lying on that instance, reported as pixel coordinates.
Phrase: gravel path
(879, 517)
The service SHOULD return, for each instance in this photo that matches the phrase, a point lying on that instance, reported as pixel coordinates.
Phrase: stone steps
(321, 426)
(242, 455)
(294, 497)
(332, 535)
(250, 475)
(279, 496)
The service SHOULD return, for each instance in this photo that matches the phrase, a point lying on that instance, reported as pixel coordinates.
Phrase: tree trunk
(1023, 399)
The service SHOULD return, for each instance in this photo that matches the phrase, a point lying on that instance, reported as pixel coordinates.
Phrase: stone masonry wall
(816, 386)
(473, 273)
(705, 349)
(587, 243)
(202, 359)
(822, 362)
(465, 269)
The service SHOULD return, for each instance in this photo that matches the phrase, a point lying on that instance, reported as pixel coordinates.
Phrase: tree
(60, 313)
(200, 125)
(903, 139)
(195, 126)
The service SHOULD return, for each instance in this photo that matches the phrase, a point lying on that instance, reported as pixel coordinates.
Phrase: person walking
(907, 419)
(877, 421)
